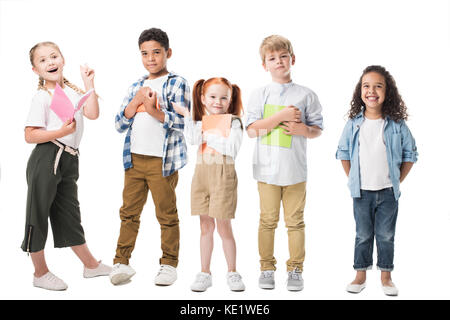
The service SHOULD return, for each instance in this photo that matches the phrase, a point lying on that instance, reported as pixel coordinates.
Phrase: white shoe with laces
(166, 275)
(121, 273)
(267, 279)
(234, 281)
(101, 270)
(202, 282)
(295, 280)
(50, 282)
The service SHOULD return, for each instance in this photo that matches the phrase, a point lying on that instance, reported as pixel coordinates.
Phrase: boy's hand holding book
(294, 128)
(290, 113)
(150, 102)
(142, 94)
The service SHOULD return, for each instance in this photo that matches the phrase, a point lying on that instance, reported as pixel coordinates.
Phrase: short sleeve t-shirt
(42, 116)
(148, 135)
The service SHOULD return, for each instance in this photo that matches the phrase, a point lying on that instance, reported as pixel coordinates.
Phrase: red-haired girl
(214, 184)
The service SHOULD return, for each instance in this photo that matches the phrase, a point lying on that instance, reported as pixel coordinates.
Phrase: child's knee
(207, 226)
(224, 229)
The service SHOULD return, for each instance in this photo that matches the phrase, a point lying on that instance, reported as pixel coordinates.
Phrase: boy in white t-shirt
(154, 151)
(281, 168)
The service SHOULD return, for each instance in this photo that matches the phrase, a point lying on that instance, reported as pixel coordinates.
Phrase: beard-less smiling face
(217, 98)
(373, 91)
(48, 63)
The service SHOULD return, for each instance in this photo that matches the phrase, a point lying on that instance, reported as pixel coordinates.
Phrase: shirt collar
(360, 116)
(145, 77)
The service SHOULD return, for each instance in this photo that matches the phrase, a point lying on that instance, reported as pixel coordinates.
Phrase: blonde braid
(72, 86)
(41, 86)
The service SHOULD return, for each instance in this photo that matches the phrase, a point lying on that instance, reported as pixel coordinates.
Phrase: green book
(276, 137)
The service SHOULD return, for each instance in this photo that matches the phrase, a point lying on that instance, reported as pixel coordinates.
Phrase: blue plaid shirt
(175, 89)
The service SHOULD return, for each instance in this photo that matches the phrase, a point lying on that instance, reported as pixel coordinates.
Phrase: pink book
(62, 105)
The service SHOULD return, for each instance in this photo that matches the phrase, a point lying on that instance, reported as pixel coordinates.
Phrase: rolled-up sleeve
(122, 123)
(313, 115)
(343, 150)
(173, 120)
(255, 108)
(409, 149)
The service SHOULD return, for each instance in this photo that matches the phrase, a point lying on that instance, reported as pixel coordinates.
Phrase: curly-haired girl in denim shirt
(377, 152)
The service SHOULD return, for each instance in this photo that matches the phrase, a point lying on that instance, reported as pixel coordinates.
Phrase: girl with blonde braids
(52, 170)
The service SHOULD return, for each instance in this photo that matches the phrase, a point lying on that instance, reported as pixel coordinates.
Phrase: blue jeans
(375, 216)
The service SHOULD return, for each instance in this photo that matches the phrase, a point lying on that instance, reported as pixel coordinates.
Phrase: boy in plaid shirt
(154, 151)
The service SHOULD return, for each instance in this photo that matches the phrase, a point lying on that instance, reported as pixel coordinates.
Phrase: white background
(333, 41)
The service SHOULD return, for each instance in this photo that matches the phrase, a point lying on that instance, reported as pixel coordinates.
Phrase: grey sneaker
(295, 280)
(267, 279)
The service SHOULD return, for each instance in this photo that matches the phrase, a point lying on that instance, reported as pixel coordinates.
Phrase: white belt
(62, 148)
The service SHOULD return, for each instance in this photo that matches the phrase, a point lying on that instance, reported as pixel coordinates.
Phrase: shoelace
(267, 274)
(294, 275)
(52, 278)
(201, 278)
(115, 267)
(235, 277)
(163, 270)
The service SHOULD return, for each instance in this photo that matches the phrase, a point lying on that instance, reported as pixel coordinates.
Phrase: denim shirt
(400, 147)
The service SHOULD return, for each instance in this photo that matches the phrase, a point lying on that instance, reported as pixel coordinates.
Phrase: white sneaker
(121, 273)
(390, 290)
(166, 275)
(356, 288)
(101, 270)
(234, 281)
(50, 282)
(295, 281)
(267, 279)
(202, 282)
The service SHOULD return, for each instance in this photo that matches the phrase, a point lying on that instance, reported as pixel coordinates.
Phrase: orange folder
(218, 124)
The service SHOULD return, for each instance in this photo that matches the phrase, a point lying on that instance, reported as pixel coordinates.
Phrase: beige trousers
(293, 199)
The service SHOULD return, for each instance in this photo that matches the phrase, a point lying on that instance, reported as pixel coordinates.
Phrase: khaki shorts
(214, 187)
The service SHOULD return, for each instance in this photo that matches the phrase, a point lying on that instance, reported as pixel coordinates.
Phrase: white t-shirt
(148, 134)
(41, 115)
(279, 165)
(373, 164)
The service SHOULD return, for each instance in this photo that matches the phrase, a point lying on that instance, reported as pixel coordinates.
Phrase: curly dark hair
(393, 105)
(155, 34)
